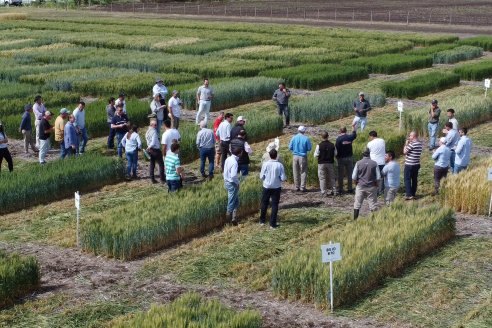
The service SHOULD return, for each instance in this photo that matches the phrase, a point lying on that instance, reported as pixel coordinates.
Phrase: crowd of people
(225, 146)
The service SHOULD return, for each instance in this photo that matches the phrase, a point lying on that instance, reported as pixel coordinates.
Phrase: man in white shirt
(167, 138)
(204, 96)
(159, 111)
(231, 184)
(174, 107)
(121, 100)
(154, 150)
(377, 148)
(39, 109)
(160, 88)
(224, 134)
(273, 174)
(451, 118)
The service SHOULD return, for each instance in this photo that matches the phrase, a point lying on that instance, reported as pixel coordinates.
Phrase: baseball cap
(27, 107)
(64, 111)
(302, 129)
(240, 118)
(434, 102)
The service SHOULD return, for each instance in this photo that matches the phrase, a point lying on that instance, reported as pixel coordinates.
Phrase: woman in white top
(4, 151)
(131, 142)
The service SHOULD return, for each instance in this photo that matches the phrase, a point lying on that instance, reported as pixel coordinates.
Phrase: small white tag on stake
(400, 106)
(487, 83)
(77, 200)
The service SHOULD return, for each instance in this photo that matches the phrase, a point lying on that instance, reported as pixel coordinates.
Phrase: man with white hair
(442, 157)
(361, 107)
(206, 145)
(300, 145)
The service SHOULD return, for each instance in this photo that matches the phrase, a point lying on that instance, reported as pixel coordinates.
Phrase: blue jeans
(243, 168)
(232, 196)
(451, 160)
(119, 137)
(432, 127)
(173, 185)
(132, 159)
(159, 124)
(63, 151)
(458, 169)
(362, 122)
(111, 137)
(207, 153)
(283, 109)
(83, 140)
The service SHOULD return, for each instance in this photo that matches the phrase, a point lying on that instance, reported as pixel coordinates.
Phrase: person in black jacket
(325, 152)
(240, 122)
(241, 143)
(345, 159)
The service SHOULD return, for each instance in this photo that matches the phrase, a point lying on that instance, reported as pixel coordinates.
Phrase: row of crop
(317, 76)
(140, 227)
(457, 54)
(475, 71)
(468, 191)
(391, 63)
(393, 142)
(471, 109)
(329, 106)
(190, 310)
(372, 249)
(37, 184)
(420, 85)
(19, 275)
(482, 41)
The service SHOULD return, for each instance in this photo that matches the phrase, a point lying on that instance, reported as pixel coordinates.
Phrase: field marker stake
(77, 206)
(489, 178)
(331, 253)
(487, 86)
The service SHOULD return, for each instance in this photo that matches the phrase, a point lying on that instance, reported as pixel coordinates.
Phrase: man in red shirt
(217, 122)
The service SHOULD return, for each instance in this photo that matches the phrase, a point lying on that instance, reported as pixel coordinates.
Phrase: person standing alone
(361, 107)
(281, 97)
(204, 96)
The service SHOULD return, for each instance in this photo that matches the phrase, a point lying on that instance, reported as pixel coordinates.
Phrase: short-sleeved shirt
(172, 162)
(377, 148)
(119, 120)
(174, 105)
(43, 126)
(434, 119)
(59, 128)
(167, 139)
(205, 93)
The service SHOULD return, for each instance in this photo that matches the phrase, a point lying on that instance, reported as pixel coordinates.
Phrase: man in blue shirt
(70, 137)
(300, 145)
(463, 150)
(442, 157)
(272, 174)
(391, 174)
(451, 140)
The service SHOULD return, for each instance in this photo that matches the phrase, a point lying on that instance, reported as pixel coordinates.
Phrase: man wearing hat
(240, 122)
(45, 130)
(300, 145)
(432, 126)
(174, 106)
(361, 107)
(366, 176)
(121, 101)
(26, 129)
(38, 109)
(160, 88)
(59, 130)
(204, 96)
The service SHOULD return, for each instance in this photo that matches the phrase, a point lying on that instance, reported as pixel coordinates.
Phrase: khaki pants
(390, 194)
(36, 123)
(28, 142)
(218, 153)
(326, 175)
(369, 193)
(299, 166)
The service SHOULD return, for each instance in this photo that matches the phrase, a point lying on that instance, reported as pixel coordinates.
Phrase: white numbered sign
(400, 106)
(77, 200)
(330, 253)
(487, 83)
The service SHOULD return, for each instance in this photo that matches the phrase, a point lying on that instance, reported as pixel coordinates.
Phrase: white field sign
(331, 253)
(487, 86)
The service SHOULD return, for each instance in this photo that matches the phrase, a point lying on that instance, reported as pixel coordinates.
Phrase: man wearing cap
(26, 129)
(70, 137)
(38, 109)
(154, 150)
(121, 101)
(432, 126)
(79, 114)
(240, 122)
(224, 134)
(204, 96)
(160, 88)
(361, 107)
(218, 151)
(281, 97)
(45, 130)
(59, 130)
(206, 143)
(110, 112)
(174, 106)
(366, 176)
(441, 156)
(300, 145)
(159, 110)
(325, 153)
(120, 126)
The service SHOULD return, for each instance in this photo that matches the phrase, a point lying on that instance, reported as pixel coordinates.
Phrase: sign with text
(331, 253)
(489, 174)
(77, 200)
(400, 106)
(487, 83)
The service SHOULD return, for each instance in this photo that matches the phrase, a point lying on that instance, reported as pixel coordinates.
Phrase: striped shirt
(171, 163)
(413, 152)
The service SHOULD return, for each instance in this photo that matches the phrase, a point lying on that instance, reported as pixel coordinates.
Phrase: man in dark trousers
(281, 97)
(325, 152)
(240, 122)
(366, 176)
(345, 159)
(240, 143)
